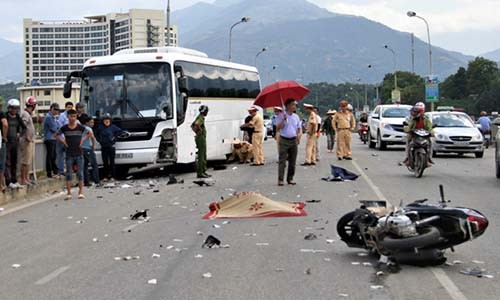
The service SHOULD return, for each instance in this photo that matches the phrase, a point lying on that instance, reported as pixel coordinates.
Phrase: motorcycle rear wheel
(427, 236)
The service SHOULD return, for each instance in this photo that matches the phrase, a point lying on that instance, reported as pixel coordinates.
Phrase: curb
(42, 189)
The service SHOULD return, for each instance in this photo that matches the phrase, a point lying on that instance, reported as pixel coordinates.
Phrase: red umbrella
(277, 93)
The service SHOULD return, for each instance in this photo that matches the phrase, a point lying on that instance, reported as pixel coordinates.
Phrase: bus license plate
(124, 155)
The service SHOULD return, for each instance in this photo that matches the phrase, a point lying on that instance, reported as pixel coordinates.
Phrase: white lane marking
(130, 227)
(52, 275)
(450, 287)
(441, 276)
(370, 182)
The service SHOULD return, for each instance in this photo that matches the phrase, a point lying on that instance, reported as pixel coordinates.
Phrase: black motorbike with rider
(418, 121)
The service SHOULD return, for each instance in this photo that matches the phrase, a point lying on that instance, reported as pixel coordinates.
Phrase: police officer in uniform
(311, 131)
(344, 123)
(199, 129)
(257, 123)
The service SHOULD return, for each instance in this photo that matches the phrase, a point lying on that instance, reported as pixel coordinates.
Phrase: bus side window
(179, 101)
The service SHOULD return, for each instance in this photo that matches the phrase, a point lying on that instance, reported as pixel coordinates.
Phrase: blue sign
(431, 88)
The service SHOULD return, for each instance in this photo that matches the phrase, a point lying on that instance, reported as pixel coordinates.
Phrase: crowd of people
(70, 139)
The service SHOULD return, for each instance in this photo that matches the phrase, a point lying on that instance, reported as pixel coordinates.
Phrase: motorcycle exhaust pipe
(426, 221)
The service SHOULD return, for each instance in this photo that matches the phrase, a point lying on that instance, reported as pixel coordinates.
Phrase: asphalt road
(59, 260)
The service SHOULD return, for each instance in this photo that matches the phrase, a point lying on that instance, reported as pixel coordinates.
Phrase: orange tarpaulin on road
(253, 205)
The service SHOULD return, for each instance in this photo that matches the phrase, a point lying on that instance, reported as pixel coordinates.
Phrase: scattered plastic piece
(355, 263)
(2, 209)
(226, 222)
(475, 271)
(15, 266)
(478, 262)
(327, 259)
(234, 168)
(377, 287)
(262, 244)
(367, 264)
(308, 271)
(95, 240)
(210, 242)
(344, 295)
(312, 251)
(152, 281)
(310, 237)
(216, 226)
(125, 186)
(138, 192)
(177, 240)
(155, 255)
(170, 247)
(207, 275)
(380, 273)
(374, 154)
(22, 221)
(313, 201)
(138, 214)
(106, 235)
(330, 241)
(198, 256)
(199, 233)
(250, 234)
(457, 262)
(362, 254)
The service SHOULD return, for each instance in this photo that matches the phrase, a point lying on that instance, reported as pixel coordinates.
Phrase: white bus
(154, 95)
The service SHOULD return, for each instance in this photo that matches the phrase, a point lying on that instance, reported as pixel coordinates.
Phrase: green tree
(481, 74)
(455, 86)
(411, 85)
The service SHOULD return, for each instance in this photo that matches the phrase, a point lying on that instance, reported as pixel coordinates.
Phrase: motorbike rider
(485, 123)
(363, 121)
(418, 121)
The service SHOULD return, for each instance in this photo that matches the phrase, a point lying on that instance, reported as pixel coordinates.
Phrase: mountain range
(11, 61)
(306, 42)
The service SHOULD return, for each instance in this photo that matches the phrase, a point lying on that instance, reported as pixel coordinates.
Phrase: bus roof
(165, 54)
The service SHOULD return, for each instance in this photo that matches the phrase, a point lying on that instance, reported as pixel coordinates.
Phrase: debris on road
(95, 240)
(199, 233)
(367, 264)
(330, 241)
(310, 237)
(155, 255)
(308, 271)
(327, 259)
(125, 186)
(362, 254)
(313, 201)
(127, 257)
(15, 266)
(374, 154)
(250, 234)
(226, 222)
(138, 214)
(2, 209)
(152, 281)
(377, 287)
(479, 262)
(355, 263)
(210, 242)
(340, 174)
(380, 273)
(198, 256)
(207, 275)
(178, 240)
(262, 244)
(173, 180)
(476, 271)
(22, 221)
(312, 251)
(215, 226)
(344, 295)
(137, 192)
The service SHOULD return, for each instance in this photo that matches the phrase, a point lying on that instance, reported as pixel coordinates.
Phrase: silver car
(454, 132)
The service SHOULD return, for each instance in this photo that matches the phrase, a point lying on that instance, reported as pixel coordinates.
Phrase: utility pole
(168, 23)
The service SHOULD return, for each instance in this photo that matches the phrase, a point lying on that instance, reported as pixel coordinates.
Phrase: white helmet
(420, 105)
(349, 107)
(13, 103)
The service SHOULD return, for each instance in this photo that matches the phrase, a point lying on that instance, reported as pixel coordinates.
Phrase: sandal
(68, 197)
(81, 196)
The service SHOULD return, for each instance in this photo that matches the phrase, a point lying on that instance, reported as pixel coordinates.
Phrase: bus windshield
(129, 91)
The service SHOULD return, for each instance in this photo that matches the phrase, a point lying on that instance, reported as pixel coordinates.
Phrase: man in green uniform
(199, 129)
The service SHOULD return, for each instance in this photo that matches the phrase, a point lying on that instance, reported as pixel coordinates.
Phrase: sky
(468, 26)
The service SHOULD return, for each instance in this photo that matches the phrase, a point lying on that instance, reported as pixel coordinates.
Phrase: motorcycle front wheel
(420, 164)
(349, 232)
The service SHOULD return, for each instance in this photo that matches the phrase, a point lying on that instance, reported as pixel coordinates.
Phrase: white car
(385, 125)
(454, 132)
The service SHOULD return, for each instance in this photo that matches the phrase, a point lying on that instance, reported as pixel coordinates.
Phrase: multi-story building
(46, 95)
(54, 48)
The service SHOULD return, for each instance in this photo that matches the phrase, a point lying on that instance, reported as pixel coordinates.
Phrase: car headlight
(387, 126)
(441, 137)
(477, 138)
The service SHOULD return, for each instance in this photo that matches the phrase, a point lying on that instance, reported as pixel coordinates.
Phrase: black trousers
(11, 161)
(287, 152)
(108, 161)
(50, 158)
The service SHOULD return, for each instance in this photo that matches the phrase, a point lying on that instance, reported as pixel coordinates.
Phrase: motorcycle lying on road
(419, 151)
(416, 234)
(363, 132)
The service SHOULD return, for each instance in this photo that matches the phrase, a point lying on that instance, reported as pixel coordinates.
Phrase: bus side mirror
(183, 84)
(67, 89)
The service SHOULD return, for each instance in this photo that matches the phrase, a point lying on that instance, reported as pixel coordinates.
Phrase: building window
(46, 92)
(34, 29)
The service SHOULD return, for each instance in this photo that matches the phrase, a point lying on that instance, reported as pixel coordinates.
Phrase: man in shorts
(72, 141)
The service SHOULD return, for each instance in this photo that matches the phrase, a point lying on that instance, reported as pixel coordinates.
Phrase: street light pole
(258, 53)
(414, 14)
(376, 84)
(394, 62)
(168, 23)
(269, 73)
(243, 20)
